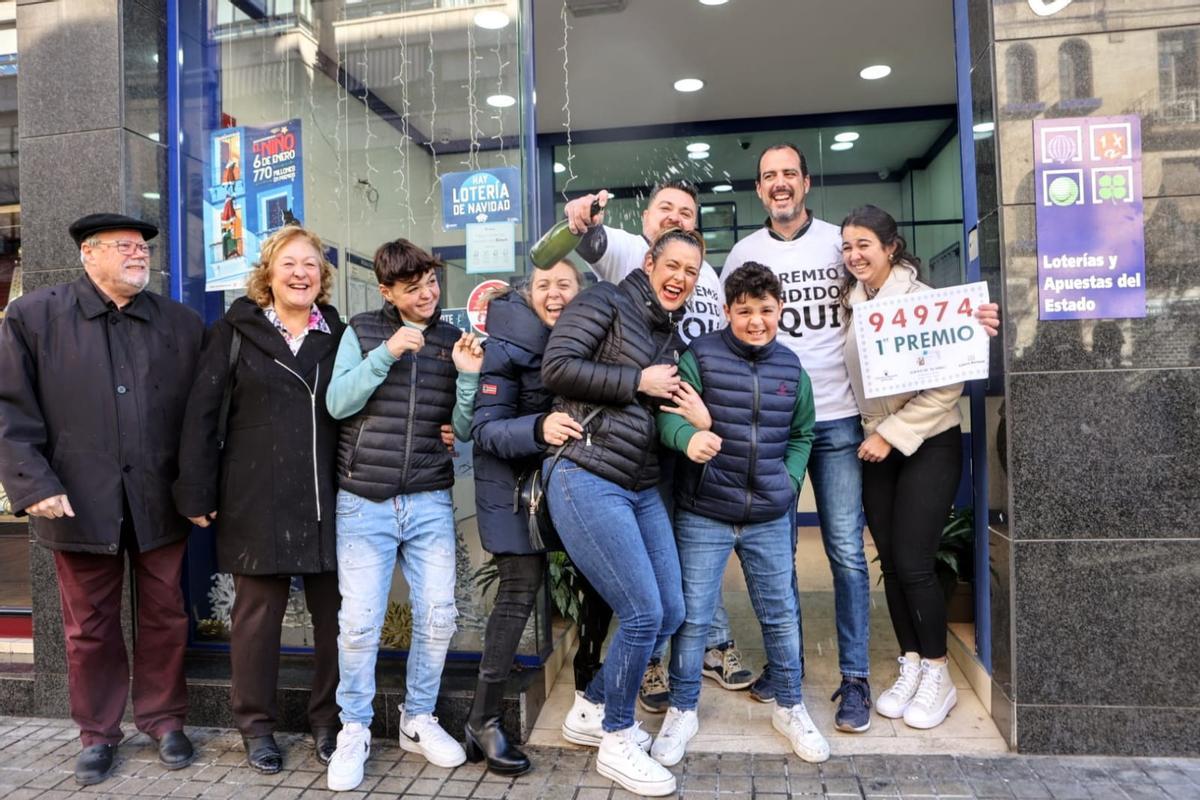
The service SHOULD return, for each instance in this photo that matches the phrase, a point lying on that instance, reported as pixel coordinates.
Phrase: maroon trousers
(97, 665)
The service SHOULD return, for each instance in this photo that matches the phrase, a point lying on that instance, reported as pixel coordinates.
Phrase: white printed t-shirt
(813, 323)
(705, 308)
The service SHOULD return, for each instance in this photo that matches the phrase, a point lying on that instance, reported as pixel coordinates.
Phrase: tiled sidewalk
(37, 756)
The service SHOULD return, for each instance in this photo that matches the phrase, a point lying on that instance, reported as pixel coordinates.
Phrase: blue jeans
(719, 632)
(622, 542)
(836, 476)
(766, 552)
(419, 528)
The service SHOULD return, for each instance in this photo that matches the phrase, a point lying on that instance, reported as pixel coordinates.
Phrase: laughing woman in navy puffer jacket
(512, 429)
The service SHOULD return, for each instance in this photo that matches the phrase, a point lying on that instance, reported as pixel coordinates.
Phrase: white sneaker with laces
(678, 728)
(934, 698)
(622, 759)
(345, 771)
(893, 702)
(798, 728)
(423, 735)
(584, 724)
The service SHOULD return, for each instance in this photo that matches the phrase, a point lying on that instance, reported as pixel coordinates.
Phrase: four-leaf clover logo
(1113, 186)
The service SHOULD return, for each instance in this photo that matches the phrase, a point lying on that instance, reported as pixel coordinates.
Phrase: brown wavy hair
(258, 285)
(668, 235)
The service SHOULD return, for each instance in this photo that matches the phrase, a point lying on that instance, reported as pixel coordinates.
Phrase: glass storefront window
(380, 105)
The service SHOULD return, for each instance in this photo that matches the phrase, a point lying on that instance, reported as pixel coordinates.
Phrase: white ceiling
(757, 57)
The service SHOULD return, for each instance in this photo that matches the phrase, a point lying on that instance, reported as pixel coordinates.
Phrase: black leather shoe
(94, 764)
(175, 750)
(491, 742)
(262, 753)
(324, 742)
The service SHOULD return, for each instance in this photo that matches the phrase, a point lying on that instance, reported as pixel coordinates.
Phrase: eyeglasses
(127, 247)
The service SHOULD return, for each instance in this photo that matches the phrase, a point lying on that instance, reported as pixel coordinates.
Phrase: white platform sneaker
(894, 701)
(678, 728)
(798, 728)
(585, 724)
(423, 735)
(622, 759)
(345, 770)
(935, 696)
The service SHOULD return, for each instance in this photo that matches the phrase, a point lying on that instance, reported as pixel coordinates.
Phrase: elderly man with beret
(94, 378)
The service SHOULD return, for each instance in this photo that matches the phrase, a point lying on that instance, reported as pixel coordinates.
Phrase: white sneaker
(935, 697)
(797, 726)
(422, 734)
(585, 724)
(622, 759)
(894, 701)
(345, 771)
(678, 728)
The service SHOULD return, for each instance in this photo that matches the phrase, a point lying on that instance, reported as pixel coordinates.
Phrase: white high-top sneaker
(423, 735)
(345, 771)
(797, 726)
(678, 728)
(622, 759)
(584, 724)
(935, 696)
(894, 701)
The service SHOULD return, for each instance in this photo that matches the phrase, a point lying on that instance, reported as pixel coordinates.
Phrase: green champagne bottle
(558, 242)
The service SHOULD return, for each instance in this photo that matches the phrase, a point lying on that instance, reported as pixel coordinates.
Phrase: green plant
(397, 626)
(565, 589)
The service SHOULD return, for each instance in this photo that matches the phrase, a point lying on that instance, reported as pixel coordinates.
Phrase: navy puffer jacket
(509, 408)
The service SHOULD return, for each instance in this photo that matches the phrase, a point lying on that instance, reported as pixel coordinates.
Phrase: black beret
(84, 227)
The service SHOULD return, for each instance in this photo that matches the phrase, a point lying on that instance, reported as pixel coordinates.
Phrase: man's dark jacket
(275, 483)
(59, 431)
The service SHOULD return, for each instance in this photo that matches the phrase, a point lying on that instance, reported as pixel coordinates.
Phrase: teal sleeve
(800, 442)
(464, 405)
(355, 378)
(673, 430)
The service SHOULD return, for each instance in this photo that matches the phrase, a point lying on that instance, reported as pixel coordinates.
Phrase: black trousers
(907, 499)
(520, 578)
(257, 619)
(596, 616)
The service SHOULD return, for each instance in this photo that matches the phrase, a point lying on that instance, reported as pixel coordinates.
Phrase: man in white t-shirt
(612, 254)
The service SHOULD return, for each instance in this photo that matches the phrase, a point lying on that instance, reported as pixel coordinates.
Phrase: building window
(1020, 74)
(1074, 70)
(1179, 75)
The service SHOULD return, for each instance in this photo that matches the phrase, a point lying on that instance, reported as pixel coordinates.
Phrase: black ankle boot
(262, 753)
(489, 741)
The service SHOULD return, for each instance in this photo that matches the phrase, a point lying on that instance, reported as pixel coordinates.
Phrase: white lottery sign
(921, 340)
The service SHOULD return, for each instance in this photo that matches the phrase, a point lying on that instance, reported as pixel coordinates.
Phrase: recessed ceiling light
(492, 19)
(875, 72)
(152, 195)
(700, 156)
(723, 187)
(846, 136)
(559, 168)
(841, 145)
(689, 85)
(698, 147)
(713, 2)
(984, 127)
(501, 101)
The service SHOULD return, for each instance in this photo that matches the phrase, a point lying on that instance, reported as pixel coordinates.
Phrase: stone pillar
(92, 123)
(1096, 559)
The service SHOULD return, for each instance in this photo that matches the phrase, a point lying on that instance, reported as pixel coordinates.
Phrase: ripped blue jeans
(419, 529)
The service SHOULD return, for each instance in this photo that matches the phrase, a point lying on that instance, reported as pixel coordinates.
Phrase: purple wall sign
(1090, 236)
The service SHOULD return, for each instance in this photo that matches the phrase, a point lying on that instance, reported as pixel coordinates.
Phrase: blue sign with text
(1091, 247)
(486, 195)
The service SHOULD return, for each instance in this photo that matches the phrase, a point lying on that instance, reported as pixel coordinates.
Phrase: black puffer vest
(751, 395)
(394, 445)
(595, 356)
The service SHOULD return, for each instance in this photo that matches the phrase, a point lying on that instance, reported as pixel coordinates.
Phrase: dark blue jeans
(622, 542)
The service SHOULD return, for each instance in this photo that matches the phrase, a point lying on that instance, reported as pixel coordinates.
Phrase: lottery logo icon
(1061, 147)
(1062, 187)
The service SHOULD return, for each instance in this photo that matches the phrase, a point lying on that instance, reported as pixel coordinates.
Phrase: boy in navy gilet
(735, 492)
(393, 388)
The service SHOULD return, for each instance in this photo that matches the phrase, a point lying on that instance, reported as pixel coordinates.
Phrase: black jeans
(907, 499)
(520, 578)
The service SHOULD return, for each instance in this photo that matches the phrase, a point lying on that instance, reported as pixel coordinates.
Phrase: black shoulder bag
(529, 498)
(235, 347)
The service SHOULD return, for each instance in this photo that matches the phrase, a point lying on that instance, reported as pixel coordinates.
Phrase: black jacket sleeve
(196, 489)
(569, 368)
(25, 471)
(498, 427)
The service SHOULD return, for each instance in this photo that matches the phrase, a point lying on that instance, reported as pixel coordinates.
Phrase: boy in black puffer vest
(736, 492)
(393, 387)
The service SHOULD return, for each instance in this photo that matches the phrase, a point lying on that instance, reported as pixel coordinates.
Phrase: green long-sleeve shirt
(675, 432)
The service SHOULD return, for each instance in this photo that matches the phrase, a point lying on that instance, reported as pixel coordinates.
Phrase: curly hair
(258, 285)
(752, 281)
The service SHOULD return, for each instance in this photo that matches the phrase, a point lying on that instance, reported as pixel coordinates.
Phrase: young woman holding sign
(912, 458)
